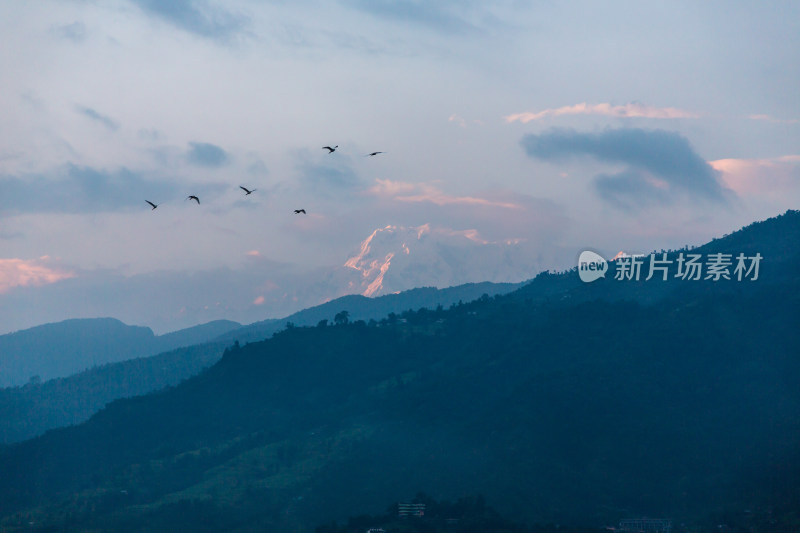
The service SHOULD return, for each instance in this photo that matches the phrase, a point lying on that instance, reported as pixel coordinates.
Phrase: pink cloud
(458, 120)
(769, 118)
(763, 177)
(25, 273)
(625, 111)
(425, 192)
(471, 234)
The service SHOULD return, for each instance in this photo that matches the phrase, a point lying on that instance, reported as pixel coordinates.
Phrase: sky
(528, 130)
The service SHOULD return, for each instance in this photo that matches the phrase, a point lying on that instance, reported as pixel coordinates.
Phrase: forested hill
(580, 412)
(774, 240)
(363, 308)
(37, 406)
(30, 410)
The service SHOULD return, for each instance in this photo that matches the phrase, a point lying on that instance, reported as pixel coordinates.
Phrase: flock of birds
(248, 192)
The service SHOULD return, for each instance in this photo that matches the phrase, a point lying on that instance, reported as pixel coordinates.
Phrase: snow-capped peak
(395, 258)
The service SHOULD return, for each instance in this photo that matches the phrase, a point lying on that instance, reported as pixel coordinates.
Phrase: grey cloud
(98, 117)
(75, 32)
(81, 190)
(335, 177)
(629, 190)
(659, 154)
(196, 16)
(257, 168)
(150, 134)
(444, 16)
(7, 236)
(207, 155)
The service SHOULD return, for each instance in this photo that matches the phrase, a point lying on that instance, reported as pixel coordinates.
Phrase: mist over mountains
(559, 401)
(390, 259)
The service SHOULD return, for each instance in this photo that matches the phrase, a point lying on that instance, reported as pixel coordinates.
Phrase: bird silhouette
(298, 211)
(151, 203)
(195, 198)
(329, 149)
(247, 191)
(374, 154)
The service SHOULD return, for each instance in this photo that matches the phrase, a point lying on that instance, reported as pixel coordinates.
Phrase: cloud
(496, 215)
(75, 32)
(98, 117)
(196, 16)
(257, 168)
(334, 176)
(778, 178)
(458, 120)
(424, 192)
(447, 17)
(659, 163)
(23, 273)
(631, 190)
(769, 118)
(78, 189)
(150, 134)
(207, 155)
(630, 110)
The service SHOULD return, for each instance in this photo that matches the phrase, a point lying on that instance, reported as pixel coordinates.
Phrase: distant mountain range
(560, 402)
(99, 344)
(60, 349)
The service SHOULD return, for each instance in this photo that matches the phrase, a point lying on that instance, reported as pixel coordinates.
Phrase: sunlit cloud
(471, 234)
(632, 110)
(24, 273)
(769, 118)
(457, 120)
(425, 192)
(775, 177)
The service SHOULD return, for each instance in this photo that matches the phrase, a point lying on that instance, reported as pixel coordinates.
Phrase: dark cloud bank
(660, 164)
(78, 189)
(207, 155)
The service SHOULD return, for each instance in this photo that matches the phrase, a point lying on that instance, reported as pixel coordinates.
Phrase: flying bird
(374, 154)
(298, 211)
(329, 149)
(151, 203)
(247, 191)
(195, 198)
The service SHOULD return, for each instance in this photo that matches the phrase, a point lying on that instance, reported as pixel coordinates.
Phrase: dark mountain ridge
(365, 308)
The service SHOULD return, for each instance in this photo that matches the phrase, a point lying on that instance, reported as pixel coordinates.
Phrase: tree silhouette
(341, 318)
